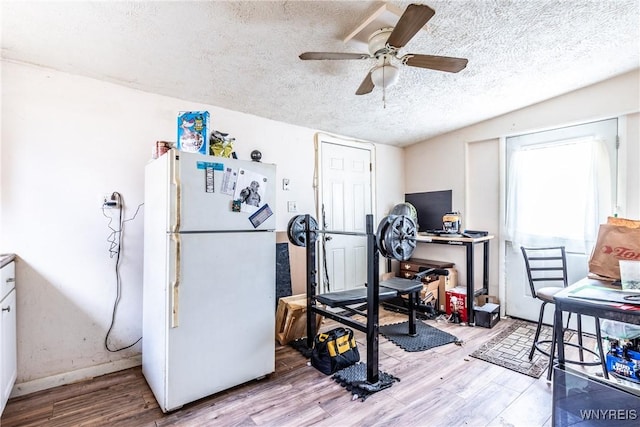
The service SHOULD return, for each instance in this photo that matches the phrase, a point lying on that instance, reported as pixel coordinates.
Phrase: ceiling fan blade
(366, 86)
(333, 55)
(413, 18)
(440, 63)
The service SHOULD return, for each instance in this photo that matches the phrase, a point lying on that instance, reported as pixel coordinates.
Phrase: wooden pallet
(291, 318)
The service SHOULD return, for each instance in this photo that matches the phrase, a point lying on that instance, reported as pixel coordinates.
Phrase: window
(560, 185)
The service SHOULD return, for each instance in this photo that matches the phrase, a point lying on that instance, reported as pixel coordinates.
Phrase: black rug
(427, 336)
(354, 379)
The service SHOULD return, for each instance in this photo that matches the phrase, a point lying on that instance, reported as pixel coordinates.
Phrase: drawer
(408, 274)
(7, 279)
(414, 264)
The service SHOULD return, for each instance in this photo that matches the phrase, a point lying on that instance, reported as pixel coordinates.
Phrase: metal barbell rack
(371, 329)
(392, 234)
(396, 236)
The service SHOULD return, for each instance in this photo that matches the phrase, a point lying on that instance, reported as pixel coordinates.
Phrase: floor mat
(354, 379)
(510, 349)
(427, 336)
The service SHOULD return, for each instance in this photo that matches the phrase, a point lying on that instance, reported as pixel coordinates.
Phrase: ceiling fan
(384, 45)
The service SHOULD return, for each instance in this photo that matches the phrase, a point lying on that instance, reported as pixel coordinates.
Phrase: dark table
(592, 304)
(592, 298)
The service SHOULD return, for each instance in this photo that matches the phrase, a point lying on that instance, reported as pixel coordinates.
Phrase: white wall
(450, 168)
(67, 140)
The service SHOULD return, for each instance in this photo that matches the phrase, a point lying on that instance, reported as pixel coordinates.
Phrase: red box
(457, 302)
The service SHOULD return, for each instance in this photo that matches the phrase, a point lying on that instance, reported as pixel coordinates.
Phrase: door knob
(7, 309)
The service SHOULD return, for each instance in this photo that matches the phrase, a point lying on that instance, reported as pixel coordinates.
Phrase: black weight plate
(399, 238)
(379, 241)
(293, 229)
(296, 230)
(382, 229)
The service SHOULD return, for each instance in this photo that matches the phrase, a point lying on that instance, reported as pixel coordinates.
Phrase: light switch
(285, 184)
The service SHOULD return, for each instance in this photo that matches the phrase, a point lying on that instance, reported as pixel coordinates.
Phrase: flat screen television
(431, 207)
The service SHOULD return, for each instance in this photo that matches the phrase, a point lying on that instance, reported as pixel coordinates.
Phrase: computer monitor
(431, 207)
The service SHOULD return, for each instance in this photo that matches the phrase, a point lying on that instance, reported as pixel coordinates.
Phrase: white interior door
(551, 203)
(345, 198)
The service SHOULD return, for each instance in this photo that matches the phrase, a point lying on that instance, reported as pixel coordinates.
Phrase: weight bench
(372, 294)
(388, 289)
(412, 288)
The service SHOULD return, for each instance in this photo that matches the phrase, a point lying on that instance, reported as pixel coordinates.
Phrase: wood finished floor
(443, 386)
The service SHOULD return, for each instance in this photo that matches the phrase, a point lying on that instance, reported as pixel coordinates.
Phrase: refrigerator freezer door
(224, 314)
(203, 206)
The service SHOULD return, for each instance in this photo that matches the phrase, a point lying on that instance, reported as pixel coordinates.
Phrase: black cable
(324, 253)
(115, 248)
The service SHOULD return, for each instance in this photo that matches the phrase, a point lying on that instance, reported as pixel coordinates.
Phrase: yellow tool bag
(334, 350)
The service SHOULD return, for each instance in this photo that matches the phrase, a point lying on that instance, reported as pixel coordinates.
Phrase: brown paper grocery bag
(630, 223)
(615, 242)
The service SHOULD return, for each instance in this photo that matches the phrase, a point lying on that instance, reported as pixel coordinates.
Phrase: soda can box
(193, 127)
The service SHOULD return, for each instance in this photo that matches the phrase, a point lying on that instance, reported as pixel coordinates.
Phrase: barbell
(395, 237)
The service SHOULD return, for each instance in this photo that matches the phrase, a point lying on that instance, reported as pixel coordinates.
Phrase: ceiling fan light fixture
(385, 75)
(384, 46)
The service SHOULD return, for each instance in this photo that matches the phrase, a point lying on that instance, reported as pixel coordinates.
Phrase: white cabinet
(8, 360)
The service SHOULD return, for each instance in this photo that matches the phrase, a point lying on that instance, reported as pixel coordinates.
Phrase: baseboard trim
(45, 383)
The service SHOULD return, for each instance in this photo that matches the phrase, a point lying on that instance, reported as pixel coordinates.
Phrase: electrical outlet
(292, 206)
(110, 201)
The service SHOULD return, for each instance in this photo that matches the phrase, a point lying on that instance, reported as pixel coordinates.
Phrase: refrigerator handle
(175, 183)
(175, 283)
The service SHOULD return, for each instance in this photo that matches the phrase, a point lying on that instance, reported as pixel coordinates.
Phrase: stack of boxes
(486, 308)
(434, 287)
(444, 294)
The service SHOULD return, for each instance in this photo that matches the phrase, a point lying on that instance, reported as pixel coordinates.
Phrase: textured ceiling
(243, 56)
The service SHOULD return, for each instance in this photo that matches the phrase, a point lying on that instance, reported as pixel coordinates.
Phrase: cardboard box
(193, 132)
(429, 291)
(486, 310)
(487, 316)
(291, 318)
(456, 301)
(481, 300)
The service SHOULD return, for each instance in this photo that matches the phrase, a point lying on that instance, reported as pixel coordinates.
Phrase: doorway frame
(618, 179)
(319, 139)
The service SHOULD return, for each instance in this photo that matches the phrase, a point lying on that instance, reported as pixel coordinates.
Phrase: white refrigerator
(209, 275)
